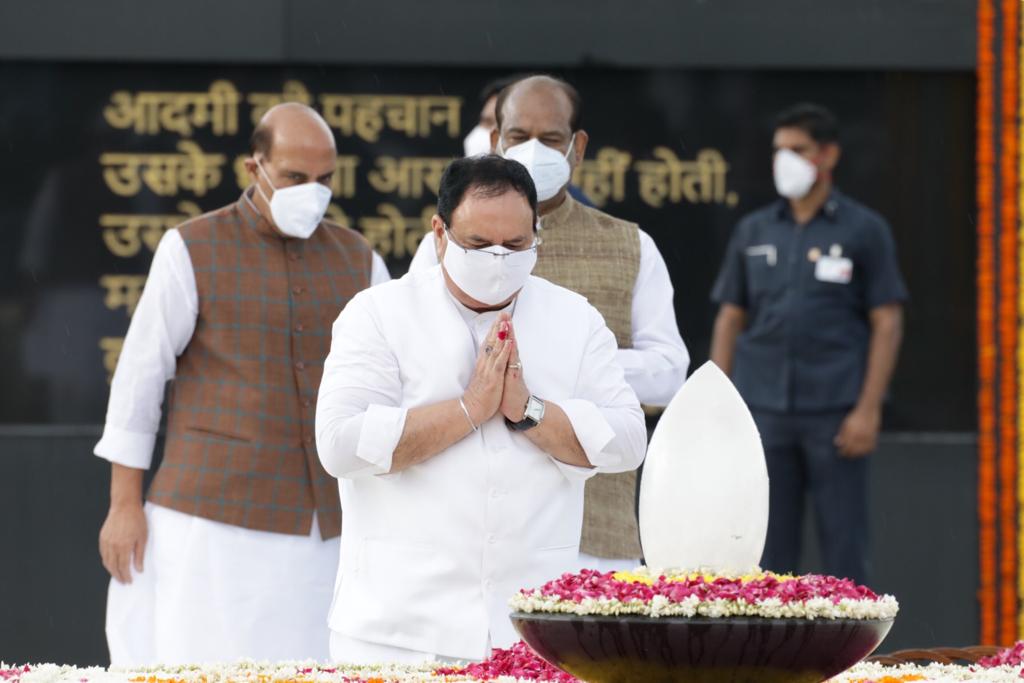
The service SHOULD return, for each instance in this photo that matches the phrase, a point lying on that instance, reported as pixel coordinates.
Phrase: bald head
(294, 122)
(292, 145)
(544, 109)
(552, 96)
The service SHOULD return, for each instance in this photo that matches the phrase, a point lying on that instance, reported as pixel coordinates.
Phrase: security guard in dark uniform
(809, 327)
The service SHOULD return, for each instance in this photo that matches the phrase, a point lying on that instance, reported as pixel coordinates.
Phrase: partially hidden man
(235, 551)
(611, 262)
(462, 408)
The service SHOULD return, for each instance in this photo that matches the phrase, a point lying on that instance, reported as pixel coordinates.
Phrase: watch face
(534, 409)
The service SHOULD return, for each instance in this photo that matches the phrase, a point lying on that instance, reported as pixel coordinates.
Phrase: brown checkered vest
(240, 436)
(598, 256)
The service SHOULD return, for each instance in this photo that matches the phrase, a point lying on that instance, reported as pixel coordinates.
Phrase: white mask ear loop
(500, 149)
(267, 177)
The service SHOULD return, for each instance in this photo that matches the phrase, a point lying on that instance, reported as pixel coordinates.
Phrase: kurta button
(307, 439)
(300, 327)
(492, 539)
(296, 289)
(306, 403)
(300, 365)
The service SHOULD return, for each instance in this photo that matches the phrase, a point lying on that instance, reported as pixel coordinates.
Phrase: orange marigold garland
(986, 318)
(1008, 327)
(1020, 321)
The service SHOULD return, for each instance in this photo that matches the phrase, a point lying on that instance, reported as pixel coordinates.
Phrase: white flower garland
(885, 607)
(931, 673)
(309, 672)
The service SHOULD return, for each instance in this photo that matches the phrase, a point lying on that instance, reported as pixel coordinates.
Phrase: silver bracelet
(466, 411)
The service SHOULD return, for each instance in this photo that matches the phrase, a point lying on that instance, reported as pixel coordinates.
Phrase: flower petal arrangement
(517, 664)
(696, 594)
(867, 672)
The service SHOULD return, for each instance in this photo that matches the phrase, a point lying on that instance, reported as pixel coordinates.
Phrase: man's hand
(515, 395)
(484, 393)
(123, 539)
(858, 435)
(729, 323)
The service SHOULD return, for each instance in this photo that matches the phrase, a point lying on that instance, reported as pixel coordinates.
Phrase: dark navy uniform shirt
(807, 291)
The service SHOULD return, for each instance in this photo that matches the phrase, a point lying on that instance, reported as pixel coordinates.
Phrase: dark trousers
(802, 459)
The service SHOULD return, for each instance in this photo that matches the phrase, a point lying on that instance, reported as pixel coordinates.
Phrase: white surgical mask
(296, 210)
(548, 167)
(478, 141)
(794, 175)
(490, 275)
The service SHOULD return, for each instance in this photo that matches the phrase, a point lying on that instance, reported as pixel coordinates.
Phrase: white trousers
(212, 592)
(345, 650)
(605, 564)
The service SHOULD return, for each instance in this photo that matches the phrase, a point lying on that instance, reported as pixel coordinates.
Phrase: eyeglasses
(537, 241)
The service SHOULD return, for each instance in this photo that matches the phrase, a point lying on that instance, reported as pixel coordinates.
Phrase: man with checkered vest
(235, 550)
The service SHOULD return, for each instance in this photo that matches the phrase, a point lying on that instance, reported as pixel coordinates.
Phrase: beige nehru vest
(598, 256)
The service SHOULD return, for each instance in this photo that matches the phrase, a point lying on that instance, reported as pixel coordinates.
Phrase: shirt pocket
(764, 274)
(217, 433)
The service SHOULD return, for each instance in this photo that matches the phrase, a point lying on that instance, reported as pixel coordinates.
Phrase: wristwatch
(532, 415)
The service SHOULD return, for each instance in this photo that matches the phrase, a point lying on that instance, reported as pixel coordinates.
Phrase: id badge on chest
(837, 269)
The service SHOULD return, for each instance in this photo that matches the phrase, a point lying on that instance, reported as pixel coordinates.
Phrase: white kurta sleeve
(604, 412)
(656, 365)
(426, 254)
(358, 421)
(379, 271)
(161, 328)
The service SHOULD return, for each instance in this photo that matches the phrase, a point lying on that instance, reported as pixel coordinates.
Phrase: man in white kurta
(657, 361)
(462, 408)
(225, 566)
(656, 364)
(613, 263)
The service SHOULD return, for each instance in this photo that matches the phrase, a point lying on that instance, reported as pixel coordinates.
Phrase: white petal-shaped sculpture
(704, 495)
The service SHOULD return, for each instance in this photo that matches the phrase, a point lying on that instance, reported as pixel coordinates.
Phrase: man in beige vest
(611, 262)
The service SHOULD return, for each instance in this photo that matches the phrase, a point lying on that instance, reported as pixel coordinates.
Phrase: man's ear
(437, 227)
(251, 170)
(830, 155)
(579, 148)
(495, 136)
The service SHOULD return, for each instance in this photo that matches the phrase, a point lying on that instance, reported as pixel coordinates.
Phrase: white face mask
(548, 167)
(794, 175)
(490, 276)
(297, 210)
(477, 142)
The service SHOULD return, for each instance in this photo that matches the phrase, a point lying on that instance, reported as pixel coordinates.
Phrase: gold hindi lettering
(408, 176)
(163, 173)
(365, 116)
(343, 182)
(260, 102)
(604, 177)
(111, 348)
(440, 111)
(149, 113)
(125, 234)
(393, 235)
(700, 181)
(336, 214)
(122, 291)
